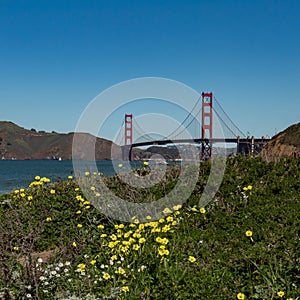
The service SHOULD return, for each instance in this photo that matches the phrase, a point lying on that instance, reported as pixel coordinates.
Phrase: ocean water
(16, 174)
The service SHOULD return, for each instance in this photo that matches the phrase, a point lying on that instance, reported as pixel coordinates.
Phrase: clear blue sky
(56, 56)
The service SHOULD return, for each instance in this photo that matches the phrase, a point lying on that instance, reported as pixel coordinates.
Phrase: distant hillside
(284, 144)
(167, 152)
(19, 143)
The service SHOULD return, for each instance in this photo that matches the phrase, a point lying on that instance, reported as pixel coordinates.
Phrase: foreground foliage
(243, 245)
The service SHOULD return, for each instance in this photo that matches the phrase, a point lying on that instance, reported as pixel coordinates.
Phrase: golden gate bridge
(201, 127)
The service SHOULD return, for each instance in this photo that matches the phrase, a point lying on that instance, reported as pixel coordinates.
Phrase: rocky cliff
(283, 145)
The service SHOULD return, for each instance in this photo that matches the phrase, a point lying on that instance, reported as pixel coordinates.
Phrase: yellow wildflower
(146, 163)
(23, 195)
(280, 294)
(70, 177)
(16, 191)
(120, 165)
(52, 191)
(87, 173)
(78, 212)
(142, 240)
(100, 226)
(162, 252)
(121, 271)
(192, 259)
(125, 289)
(166, 228)
(169, 219)
(202, 210)
(103, 235)
(29, 198)
(167, 211)
(79, 225)
(93, 262)
(92, 188)
(48, 219)
(177, 207)
(249, 233)
(148, 217)
(74, 244)
(113, 237)
(240, 296)
(37, 177)
(81, 267)
(135, 247)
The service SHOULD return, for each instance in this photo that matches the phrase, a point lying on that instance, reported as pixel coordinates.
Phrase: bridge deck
(198, 141)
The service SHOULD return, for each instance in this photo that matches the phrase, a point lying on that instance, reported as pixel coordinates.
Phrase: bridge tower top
(128, 138)
(206, 116)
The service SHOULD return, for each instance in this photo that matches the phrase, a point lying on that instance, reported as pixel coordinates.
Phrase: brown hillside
(283, 145)
(20, 143)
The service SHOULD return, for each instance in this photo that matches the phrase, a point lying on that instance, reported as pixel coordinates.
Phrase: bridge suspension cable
(235, 126)
(220, 118)
(140, 132)
(186, 118)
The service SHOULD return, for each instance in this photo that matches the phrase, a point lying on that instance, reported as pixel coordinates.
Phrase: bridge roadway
(198, 141)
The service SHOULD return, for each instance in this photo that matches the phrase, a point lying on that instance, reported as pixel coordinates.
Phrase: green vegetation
(243, 245)
(291, 136)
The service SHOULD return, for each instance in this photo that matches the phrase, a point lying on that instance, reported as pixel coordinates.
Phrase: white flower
(102, 266)
(111, 262)
(42, 278)
(28, 296)
(46, 283)
(86, 256)
(67, 263)
(60, 265)
(40, 260)
(69, 279)
(53, 272)
(57, 269)
(45, 291)
(66, 270)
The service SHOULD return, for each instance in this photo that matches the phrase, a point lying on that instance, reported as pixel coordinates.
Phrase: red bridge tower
(206, 124)
(127, 153)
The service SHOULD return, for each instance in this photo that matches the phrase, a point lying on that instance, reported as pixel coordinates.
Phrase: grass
(56, 245)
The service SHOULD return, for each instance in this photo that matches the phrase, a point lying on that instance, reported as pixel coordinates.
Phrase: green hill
(19, 143)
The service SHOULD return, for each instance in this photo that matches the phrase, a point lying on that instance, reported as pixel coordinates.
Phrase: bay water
(16, 174)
